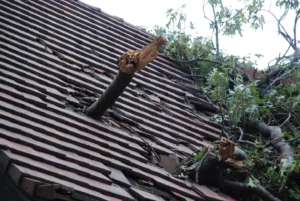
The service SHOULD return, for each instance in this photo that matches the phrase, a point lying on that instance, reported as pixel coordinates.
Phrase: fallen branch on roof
(207, 169)
(274, 133)
(244, 188)
(129, 63)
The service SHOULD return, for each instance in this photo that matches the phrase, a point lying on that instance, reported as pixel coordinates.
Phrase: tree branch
(291, 140)
(281, 73)
(287, 119)
(204, 12)
(216, 28)
(244, 188)
(281, 28)
(274, 132)
(295, 28)
(295, 34)
(130, 62)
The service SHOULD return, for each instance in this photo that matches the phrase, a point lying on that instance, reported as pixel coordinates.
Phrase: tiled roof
(51, 150)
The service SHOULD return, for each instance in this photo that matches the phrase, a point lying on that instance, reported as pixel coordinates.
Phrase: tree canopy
(259, 111)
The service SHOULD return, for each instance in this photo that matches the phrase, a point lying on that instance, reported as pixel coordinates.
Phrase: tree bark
(110, 95)
(244, 188)
(274, 133)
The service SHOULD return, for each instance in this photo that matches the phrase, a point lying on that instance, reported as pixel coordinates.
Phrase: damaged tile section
(56, 58)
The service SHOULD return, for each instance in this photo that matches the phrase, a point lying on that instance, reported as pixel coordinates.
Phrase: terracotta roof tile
(44, 46)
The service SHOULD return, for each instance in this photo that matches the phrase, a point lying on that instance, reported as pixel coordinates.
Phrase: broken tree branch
(227, 185)
(274, 132)
(282, 31)
(279, 77)
(130, 62)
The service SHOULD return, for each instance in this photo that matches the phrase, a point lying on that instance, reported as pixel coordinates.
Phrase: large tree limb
(130, 62)
(244, 188)
(274, 133)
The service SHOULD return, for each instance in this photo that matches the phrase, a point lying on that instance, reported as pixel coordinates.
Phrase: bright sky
(150, 13)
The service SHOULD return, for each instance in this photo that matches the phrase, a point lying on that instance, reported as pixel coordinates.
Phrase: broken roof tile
(117, 176)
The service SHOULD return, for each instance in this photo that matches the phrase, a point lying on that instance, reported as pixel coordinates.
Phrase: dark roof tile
(143, 195)
(117, 176)
(207, 193)
(16, 173)
(181, 197)
(5, 159)
(29, 185)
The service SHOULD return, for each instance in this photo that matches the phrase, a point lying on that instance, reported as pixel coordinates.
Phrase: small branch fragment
(226, 149)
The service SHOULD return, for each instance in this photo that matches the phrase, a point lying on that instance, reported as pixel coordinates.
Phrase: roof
(54, 53)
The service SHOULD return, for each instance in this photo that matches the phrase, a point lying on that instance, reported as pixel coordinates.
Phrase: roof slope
(53, 53)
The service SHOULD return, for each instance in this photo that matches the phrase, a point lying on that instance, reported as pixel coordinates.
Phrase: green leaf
(252, 181)
(169, 11)
(199, 156)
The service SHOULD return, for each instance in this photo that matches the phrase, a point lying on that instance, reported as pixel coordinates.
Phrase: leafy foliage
(200, 155)
(269, 100)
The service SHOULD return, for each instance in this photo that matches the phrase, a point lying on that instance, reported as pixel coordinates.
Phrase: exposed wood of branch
(130, 62)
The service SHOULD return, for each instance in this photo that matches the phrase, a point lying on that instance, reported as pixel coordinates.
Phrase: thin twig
(247, 142)
(275, 80)
(138, 135)
(291, 140)
(204, 11)
(241, 135)
(287, 119)
(282, 57)
(281, 28)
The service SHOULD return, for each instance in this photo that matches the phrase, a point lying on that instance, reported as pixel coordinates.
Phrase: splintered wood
(226, 149)
(135, 60)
